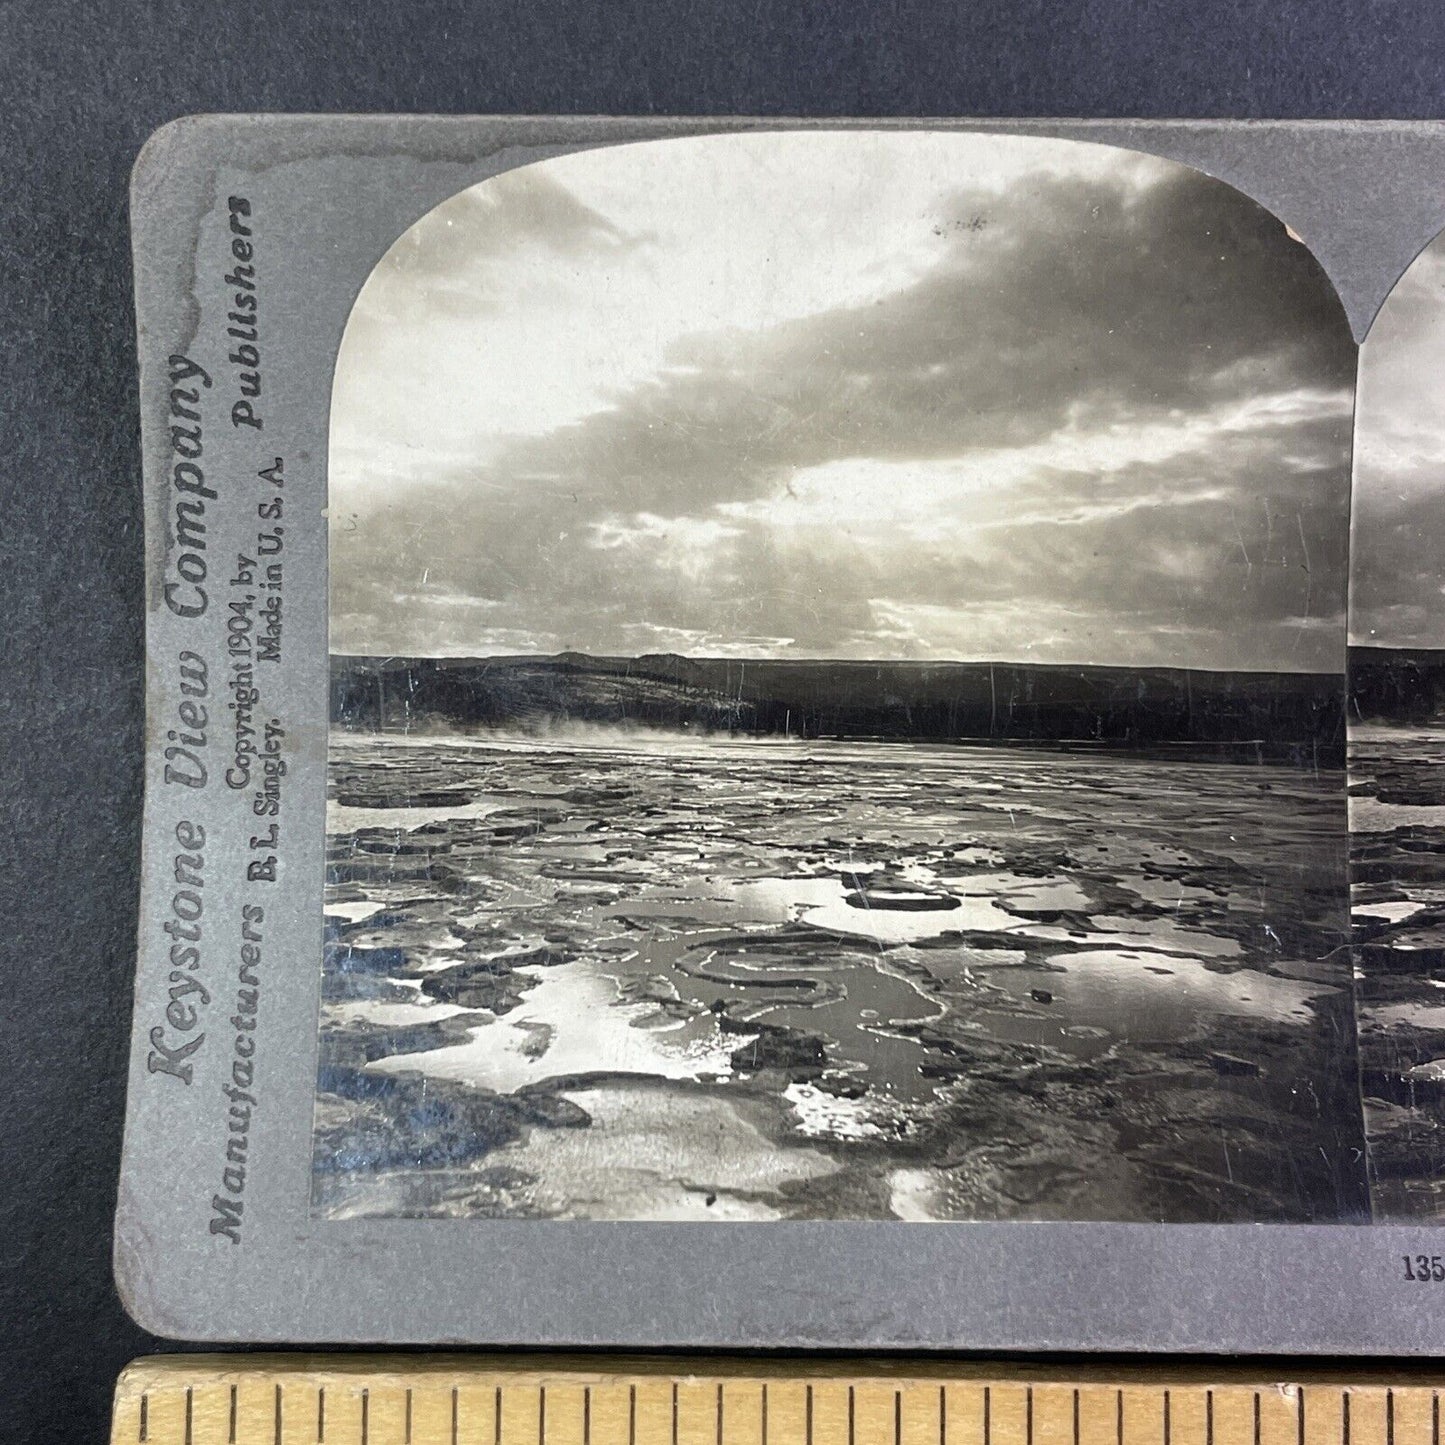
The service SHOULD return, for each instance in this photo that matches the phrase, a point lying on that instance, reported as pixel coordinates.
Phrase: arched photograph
(1397, 742)
(837, 696)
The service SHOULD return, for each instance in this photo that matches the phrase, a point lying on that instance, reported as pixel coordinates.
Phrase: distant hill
(1300, 714)
(1397, 684)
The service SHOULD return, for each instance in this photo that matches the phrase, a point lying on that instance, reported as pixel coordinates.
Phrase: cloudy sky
(1397, 596)
(864, 395)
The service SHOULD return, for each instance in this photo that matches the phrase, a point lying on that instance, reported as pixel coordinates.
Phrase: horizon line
(848, 661)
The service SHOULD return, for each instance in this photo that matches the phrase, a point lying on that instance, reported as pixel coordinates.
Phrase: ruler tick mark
(542, 1416)
(497, 1416)
(190, 1411)
(320, 1413)
(1344, 1417)
(231, 1433)
(1434, 1417)
(987, 1412)
(852, 1419)
(763, 1406)
(276, 1414)
(1299, 1414)
(719, 1415)
(808, 1416)
(1119, 1417)
(1076, 1416)
(586, 1416)
(145, 1410)
(1029, 1416)
(365, 1415)
(1209, 1417)
(1389, 1417)
(408, 1416)
(1167, 1422)
(1256, 1419)
(897, 1418)
(632, 1415)
(674, 1414)
(943, 1415)
(454, 1415)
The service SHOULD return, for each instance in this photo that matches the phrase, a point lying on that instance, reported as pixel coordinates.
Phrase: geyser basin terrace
(660, 977)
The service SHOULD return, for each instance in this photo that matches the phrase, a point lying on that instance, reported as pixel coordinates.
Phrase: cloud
(454, 258)
(1077, 407)
(1397, 580)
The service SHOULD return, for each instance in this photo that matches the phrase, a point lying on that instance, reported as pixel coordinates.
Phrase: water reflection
(962, 982)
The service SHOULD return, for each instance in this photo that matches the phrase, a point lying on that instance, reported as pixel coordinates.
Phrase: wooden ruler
(480, 1400)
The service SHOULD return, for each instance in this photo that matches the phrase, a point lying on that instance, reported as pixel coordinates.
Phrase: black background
(81, 86)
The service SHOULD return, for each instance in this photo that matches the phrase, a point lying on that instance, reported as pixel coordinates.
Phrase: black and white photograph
(1397, 742)
(837, 697)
